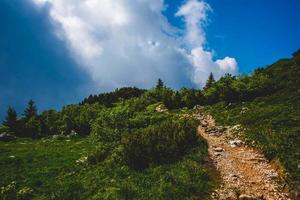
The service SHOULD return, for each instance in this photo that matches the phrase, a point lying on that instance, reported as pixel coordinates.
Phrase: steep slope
(271, 121)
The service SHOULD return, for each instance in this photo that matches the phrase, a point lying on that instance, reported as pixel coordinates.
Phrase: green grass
(40, 164)
(49, 169)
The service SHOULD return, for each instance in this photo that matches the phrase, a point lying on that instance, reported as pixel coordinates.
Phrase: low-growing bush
(72, 190)
(99, 155)
(162, 143)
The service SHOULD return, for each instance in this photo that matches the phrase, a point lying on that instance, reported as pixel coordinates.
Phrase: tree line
(79, 117)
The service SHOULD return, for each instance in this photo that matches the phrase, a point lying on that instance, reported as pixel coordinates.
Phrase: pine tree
(30, 111)
(11, 120)
(296, 56)
(177, 100)
(210, 81)
(160, 84)
(32, 125)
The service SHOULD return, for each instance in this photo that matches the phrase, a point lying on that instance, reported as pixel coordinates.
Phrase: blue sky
(39, 59)
(255, 32)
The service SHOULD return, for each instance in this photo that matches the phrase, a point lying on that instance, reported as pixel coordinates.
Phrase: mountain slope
(272, 120)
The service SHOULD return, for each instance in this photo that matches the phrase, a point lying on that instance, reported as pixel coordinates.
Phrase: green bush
(72, 190)
(8, 192)
(3, 129)
(162, 143)
(98, 155)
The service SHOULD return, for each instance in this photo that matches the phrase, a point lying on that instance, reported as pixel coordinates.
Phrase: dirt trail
(245, 172)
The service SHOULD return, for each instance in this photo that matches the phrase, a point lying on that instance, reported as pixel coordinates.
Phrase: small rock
(221, 128)
(204, 124)
(218, 149)
(236, 142)
(73, 134)
(161, 108)
(198, 107)
(6, 137)
(234, 177)
(214, 195)
(218, 154)
(272, 175)
(256, 159)
(246, 197)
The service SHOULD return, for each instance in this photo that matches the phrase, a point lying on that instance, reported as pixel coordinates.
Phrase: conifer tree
(11, 120)
(30, 111)
(296, 56)
(177, 100)
(160, 84)
(210, 81)
(32, 124)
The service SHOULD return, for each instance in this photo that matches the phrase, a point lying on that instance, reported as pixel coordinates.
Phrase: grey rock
(198, 107)
(6, 137)
(246, 197)
(218, 149)
(161, 108)
(236, 143)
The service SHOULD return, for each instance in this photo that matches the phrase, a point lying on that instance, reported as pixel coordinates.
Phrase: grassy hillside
(119, 145)
(272, 120)
(57, 169)
(133, 152)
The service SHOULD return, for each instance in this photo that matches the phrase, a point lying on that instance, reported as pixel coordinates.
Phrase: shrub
(73, 190)
(3, 129)
(163, 143)
(25, 193)
(8, 192)
(98, 156)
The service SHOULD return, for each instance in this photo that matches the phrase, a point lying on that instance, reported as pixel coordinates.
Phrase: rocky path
(245, 172)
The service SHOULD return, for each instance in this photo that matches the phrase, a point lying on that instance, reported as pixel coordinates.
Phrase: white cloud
(228, 65)
(195, 14)
(130, 42)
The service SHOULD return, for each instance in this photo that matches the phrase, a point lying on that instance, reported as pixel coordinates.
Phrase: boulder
(6, 137)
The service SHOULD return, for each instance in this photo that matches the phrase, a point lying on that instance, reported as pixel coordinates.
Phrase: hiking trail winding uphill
(245, 172)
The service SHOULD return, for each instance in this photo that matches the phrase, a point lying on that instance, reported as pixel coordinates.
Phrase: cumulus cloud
(130, 42)
(195, 14)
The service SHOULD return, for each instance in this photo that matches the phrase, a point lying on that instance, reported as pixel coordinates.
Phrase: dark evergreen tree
(110, 98)
(160, 84)
(297, 53)
(33, 127)
(177, 103)
(30, 111)
(11, 120)
(49, 122)
(31, 122)
(210, 81)
(296, 56)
